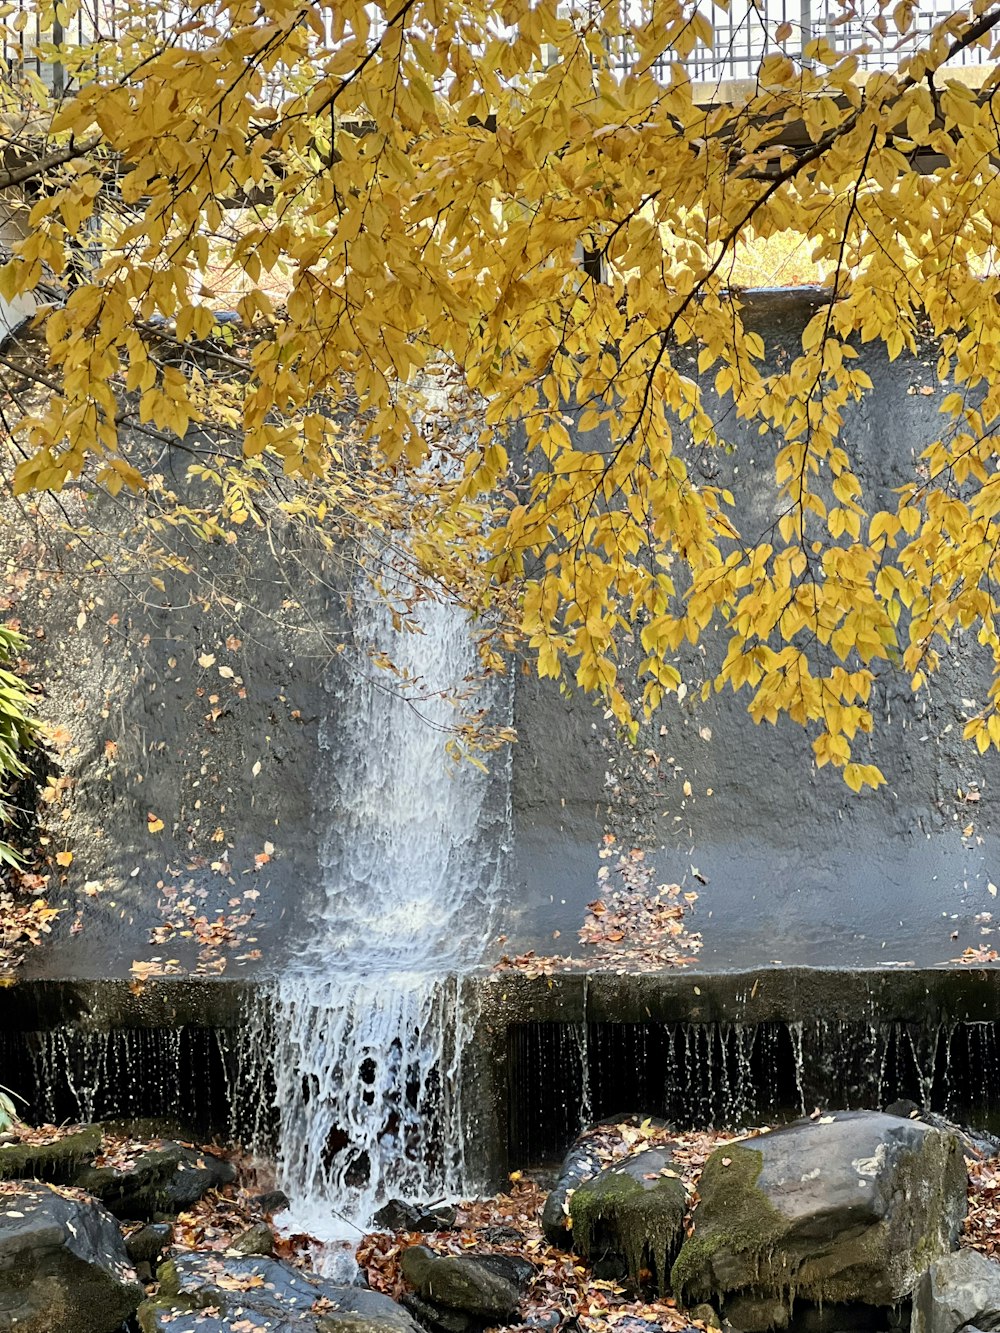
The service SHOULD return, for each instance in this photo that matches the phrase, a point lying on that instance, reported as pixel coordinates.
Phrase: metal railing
(742, 38)
(748, 33)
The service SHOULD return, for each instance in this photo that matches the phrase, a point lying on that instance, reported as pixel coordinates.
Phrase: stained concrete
(797, 870)
(790, 866)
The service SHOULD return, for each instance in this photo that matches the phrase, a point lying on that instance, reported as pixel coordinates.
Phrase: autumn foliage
(538, 201)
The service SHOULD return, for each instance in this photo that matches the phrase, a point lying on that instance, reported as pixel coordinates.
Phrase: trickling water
(369, 1029)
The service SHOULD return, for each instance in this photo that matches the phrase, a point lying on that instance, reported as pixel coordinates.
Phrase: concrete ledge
(780, 994)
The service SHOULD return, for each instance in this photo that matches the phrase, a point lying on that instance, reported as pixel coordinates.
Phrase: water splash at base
(368, 1030)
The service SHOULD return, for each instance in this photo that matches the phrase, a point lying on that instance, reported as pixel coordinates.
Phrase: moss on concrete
(638, 1220)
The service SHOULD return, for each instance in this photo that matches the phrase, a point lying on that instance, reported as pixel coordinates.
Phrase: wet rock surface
(958, 1291)
(464, 1291)
(146, 1244)
(166, 1178)
(973, 1142)
(269, 1289)
(257, 1239)
(849, 1207)
(57, 1162)
(629, 1217)
(63, 1265)
(584, 1160)
(398, 1215)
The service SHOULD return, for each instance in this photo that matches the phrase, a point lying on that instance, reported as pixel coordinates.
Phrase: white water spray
(368, 1030)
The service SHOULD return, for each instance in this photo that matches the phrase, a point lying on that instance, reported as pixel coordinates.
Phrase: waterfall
(368, 1029)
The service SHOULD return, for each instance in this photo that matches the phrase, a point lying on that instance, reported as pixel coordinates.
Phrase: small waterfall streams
(368, 1029)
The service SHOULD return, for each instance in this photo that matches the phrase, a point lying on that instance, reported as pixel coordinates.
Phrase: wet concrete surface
(789, 865)
(791, 868)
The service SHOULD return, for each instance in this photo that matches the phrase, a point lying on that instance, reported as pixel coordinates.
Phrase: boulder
(630, 1217)
(275, 1294)
(586, 1157)
(849, 1207)
(959, 1290)
(484, 1287)
(166, 1178)
(63, 1264)
(57, 1162)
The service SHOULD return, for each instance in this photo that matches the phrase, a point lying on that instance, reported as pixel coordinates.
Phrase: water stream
(368, 1030)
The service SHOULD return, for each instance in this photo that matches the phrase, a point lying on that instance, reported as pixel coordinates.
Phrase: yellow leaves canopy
(540, 198)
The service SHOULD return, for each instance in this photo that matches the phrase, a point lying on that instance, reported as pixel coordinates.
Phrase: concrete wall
(798, 870)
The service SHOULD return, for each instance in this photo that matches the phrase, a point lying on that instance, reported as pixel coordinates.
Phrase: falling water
(369, 1029)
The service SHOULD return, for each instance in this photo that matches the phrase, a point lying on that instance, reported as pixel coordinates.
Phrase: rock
(958, 1290)
(705, 1314)
(274, 1201)
(756, 1314)
(547, 1319)
(583, 1162)
(437, 1317)
(63, 1265)
(166, 1178)
(487, 1287)
(500, 1235)
(849, 1207)
(975, 1143)
(57, 1162)
(146, 1244)
(630, 1217)
(397, 1215)
(232, 1287)
(257, 1239)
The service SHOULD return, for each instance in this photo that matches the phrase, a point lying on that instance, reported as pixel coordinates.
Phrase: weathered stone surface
(756, 1314)
(63, 1265)
(166, 1178)
(582, 1162)
(159, 1319)
(57, 1162)
(973, 1142)
(272, 1201)
(398, 1215)
(257, 1239)
(630, 1217)
(146, 1244)
(958, 1290)
(268, 1289)
(850, 1207)
(487, 1287)
(437, 1317)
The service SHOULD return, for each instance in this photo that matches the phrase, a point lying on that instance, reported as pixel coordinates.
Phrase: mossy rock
(164, 1180)
(629, 1218)
(848, 1208)
(57, 1162)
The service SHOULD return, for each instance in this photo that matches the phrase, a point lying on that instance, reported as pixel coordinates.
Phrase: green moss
(741, 1212)
(759, 1250)
(57, 1162)
(637, 1220)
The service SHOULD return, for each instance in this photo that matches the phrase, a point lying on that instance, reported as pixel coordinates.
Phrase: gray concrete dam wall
(817, 907)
